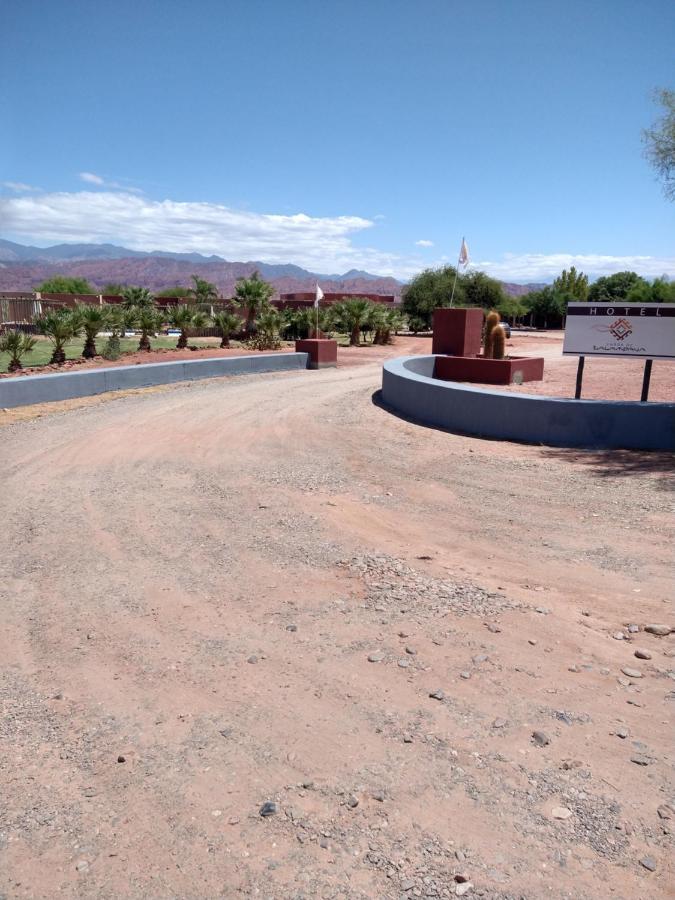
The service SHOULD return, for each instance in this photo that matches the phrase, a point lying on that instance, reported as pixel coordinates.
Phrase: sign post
(634, 330)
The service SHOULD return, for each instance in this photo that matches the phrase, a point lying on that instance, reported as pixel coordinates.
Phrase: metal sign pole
(646, 378)
(580, 377)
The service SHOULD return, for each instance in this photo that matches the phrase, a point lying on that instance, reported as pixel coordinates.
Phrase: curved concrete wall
(407, 386)
(24, 390)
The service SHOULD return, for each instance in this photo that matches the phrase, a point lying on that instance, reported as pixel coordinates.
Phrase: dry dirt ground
(270, 590)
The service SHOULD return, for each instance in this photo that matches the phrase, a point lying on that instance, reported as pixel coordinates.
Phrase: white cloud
(319, 244)
(424, 243)
(544, 267)
(18, 187)
(90, 178)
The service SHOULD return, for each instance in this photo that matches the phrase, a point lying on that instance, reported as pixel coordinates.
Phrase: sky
(368, 134)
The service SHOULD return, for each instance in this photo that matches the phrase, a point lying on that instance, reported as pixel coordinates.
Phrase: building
(298, 299)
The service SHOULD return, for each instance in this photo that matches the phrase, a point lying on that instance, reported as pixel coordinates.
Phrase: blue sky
(340, 134)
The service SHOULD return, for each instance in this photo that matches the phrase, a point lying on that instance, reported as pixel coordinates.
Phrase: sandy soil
(247, 590)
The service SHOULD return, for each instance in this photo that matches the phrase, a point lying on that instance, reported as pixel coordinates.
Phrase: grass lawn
(42, 352)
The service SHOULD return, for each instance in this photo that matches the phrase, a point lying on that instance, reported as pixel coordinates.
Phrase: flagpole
(316, 333)
(454, 284)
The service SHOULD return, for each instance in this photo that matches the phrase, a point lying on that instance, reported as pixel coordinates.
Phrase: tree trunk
(224, 342)
(355, 337)
(58, 357)
(14, 365)
(182, 341)
(89, 351)
(144, 343)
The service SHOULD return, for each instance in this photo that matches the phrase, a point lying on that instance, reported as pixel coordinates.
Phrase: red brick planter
(489, 371)
(322, 353)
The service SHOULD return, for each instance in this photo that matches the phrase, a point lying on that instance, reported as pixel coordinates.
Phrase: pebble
(465, 675)
(121, 759)
(622, 733)
(375, 657)
(408, 885)
(631, 673)
(666, 811)
(532, 641)
(82, 866)
(352, 802)
(407, 738)
(619, 636)
(495, 629)
(648, 863)
(291, 628)
(633, 629)
(659, 630)
(269, 808)
(58, 695)
(640, 759)
(403, 663)
(481, 658)
(561, 812)
(542, 610)
(437, 695)
(252, 659)
(379, 796)
(499, 723)
(233, 820)
(642, 654)
(464, 888)
(411, 651)
(540, 738)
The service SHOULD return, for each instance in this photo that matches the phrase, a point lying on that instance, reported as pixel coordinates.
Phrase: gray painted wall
(24, 390)
(407, 386)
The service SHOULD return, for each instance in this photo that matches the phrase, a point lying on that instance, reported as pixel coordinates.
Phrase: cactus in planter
(491, 323)
(498, 337)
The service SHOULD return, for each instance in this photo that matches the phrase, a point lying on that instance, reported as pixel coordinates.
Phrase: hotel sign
(643, 330)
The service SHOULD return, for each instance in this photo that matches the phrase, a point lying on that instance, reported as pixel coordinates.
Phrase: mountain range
(23, 266)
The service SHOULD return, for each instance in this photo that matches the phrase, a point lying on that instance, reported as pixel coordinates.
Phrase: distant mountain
(22, 267)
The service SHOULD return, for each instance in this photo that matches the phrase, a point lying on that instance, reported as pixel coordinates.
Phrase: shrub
(60, 326)
(17, 344)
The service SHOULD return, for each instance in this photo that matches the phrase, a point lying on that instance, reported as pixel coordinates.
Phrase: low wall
(24, 390)
(407, 387)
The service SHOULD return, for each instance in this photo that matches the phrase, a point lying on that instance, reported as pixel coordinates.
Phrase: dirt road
(421, 648)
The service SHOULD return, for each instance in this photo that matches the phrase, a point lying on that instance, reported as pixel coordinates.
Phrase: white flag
(319, 295)
(464, 254)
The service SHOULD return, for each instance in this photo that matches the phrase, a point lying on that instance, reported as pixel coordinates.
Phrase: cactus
(491, 322)
(498, 337)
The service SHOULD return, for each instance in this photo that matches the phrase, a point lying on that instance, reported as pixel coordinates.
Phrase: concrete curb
(29, 389)
(407, 387)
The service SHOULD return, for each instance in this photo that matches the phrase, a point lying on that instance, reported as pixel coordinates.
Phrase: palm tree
(268, 324)
(252, 294)
(60, 326)
(149, 322)
(227, 324)
(203, 291)
(184, 318)
(138, 297)
(91, 320)
(118, 319)
(354, 314)
(17, 344)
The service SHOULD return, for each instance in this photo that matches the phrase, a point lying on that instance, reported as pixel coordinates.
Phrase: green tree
(16, 344)
(353, 315)
(149, 322)
(203, 292)
(481, 290)
(613, 288)
(227, 323)
(547, 307)
(138, 297)
(268, 325)
(176, 291)
(253, 295)
(428, 291)
(660, 142)
(113, 289)
(91, 320)
(185, 318)
(60, 326)
(572, 283)
(61, 284)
